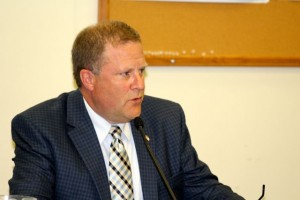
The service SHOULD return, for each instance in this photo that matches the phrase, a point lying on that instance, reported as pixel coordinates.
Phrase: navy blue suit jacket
(58, 155)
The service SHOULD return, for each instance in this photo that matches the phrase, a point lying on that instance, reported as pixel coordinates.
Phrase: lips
(137, 100)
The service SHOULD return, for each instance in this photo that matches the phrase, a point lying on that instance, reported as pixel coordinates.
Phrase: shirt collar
(102, 126)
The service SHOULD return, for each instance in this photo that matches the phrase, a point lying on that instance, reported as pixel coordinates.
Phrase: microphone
(263, 193)
(139, 124)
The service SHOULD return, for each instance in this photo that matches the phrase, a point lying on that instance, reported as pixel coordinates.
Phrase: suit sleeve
(33, 173)
(199, 182)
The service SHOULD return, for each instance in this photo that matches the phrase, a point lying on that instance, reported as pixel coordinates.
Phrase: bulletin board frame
(250, 35)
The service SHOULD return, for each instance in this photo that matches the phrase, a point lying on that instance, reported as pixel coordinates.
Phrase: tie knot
(115, 131)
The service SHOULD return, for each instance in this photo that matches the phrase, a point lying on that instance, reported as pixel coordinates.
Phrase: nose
(139, 81)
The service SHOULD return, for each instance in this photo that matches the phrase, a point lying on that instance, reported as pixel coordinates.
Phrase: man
(71, 147)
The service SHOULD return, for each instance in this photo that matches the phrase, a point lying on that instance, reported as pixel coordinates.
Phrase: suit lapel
(85, 140)
(147, 169)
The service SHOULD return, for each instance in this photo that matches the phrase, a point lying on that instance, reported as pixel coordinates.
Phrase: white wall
(244, 122)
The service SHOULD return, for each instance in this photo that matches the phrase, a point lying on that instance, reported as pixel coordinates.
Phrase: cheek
(117, 95)
(113, 93)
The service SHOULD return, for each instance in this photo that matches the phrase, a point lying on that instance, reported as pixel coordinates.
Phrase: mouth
(137, 100)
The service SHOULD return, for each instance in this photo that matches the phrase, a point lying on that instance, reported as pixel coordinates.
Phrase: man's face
(119, 87)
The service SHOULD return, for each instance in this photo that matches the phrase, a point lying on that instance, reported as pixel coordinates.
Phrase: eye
(125, 74)
(142, 70)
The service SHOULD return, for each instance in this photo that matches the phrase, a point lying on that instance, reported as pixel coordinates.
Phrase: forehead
(130, 53)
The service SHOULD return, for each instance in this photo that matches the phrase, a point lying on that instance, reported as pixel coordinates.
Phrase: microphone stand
(165, 181)
(263, 193)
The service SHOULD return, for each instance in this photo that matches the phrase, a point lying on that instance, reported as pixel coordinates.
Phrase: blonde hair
(89, 45)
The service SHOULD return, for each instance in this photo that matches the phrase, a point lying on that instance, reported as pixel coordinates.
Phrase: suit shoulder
(159, 102)
(47, 109)
(160, 107)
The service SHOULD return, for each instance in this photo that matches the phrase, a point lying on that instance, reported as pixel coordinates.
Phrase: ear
(87, 79)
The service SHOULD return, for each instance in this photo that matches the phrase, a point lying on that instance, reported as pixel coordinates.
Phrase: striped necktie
(120, 180)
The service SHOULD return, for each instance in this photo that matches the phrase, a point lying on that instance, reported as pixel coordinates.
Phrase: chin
(134, 115)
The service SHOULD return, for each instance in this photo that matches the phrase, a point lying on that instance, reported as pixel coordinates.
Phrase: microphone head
(138, 122)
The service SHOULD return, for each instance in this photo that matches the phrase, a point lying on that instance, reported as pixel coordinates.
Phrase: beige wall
(244, 122)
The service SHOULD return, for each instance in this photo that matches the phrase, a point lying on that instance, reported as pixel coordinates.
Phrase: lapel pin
(147, 138)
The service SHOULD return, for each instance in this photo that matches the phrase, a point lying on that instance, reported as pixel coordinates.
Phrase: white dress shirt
(102, 128)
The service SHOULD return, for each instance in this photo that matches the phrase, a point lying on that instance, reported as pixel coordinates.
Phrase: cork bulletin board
(212, 34)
